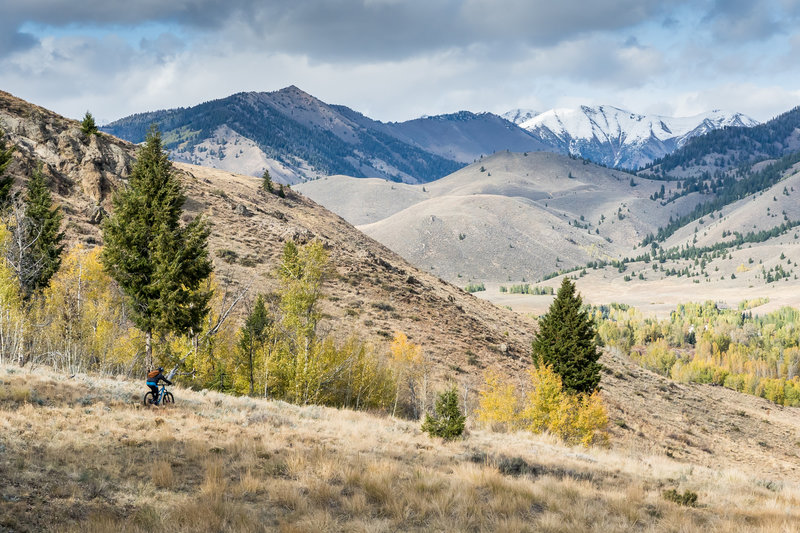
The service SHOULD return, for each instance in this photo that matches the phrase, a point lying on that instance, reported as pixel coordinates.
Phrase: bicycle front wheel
(148, 399)
(168, 398)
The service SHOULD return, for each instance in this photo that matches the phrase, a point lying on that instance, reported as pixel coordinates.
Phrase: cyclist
(153, 378)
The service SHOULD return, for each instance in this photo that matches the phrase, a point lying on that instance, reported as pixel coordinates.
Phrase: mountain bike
(164, 396)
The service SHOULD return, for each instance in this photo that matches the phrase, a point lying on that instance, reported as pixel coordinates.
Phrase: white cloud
(761, 102)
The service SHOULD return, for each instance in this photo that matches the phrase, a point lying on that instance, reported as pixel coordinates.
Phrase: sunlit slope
(514, 216)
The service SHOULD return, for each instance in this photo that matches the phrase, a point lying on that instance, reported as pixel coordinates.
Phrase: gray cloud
(601, 61)
(355, 29)
(395, 59)
(389, 29)
(750, 20)
(163, 47)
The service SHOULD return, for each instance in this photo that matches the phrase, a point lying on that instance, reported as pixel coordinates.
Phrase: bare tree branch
(214, 329)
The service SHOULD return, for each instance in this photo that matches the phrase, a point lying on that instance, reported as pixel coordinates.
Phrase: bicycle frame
(161, 392)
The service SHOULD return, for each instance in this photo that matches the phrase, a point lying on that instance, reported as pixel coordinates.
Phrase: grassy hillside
(80, 454)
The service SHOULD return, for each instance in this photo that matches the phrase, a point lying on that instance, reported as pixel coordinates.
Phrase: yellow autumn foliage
(575, 418)
(497, 403)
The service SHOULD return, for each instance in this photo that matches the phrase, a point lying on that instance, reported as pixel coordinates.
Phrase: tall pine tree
(266, 182)
(35, 247)
(43, 232)
(159, 263)
(88, 125)
(5, 181)
(566, 341)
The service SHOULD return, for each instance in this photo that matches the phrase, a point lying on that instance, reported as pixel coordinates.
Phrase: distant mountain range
(618, 138)
(728, 148)
(297, 137)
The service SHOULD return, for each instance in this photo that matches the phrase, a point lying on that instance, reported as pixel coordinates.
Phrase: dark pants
(154, 388)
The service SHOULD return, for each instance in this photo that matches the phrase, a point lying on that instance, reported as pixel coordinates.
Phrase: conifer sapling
(447, 421)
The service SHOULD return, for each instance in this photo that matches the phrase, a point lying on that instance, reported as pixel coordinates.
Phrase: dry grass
(215, 463)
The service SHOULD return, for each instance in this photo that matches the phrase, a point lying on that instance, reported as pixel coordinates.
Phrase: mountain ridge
(298, 137)
(616, 137)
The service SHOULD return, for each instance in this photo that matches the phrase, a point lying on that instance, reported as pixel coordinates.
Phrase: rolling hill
(509, 216)
(79, 453)
(519, 220)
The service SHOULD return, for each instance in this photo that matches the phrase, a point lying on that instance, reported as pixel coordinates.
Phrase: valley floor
(655, 298)
(80, 454)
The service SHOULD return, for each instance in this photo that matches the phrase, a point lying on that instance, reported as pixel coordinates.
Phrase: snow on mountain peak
(618, 137)
(518, 116)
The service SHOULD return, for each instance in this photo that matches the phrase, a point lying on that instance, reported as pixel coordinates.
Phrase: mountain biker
(153, 377)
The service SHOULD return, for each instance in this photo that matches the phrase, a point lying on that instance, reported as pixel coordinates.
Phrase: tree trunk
(251, 370)
(148, 349)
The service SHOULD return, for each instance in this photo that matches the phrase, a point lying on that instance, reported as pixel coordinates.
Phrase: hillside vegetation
(79, 454)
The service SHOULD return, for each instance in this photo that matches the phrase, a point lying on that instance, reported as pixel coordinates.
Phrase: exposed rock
(96, 214)
(242, 210)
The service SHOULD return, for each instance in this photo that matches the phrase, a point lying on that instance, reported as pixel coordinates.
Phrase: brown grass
(217, 463)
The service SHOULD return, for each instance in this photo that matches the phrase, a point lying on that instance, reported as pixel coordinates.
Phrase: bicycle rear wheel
(168, 398)
(148, 399)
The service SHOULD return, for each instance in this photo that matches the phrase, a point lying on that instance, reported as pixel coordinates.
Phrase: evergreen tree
(88, 125)
(267, 183)
(44, 231)
(34, 251)
(5, 181)
(447, 421)
(281, 192)
(254, 335)
(158, 263)
(566, 341)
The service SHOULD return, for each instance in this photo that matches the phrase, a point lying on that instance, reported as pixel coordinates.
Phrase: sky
(396, 60)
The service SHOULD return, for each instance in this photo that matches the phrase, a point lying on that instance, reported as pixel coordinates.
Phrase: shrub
(687, 499)
(475, 287)
(383, 306)
(544, 400)
(575, 418)
(447, 421)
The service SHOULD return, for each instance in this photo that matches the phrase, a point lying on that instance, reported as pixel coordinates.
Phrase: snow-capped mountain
(619, 138)
(518, 116)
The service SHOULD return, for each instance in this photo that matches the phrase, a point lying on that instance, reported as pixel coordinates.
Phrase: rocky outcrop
(93, 164)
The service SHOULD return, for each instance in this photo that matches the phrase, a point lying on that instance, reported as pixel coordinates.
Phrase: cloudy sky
(399, 59)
